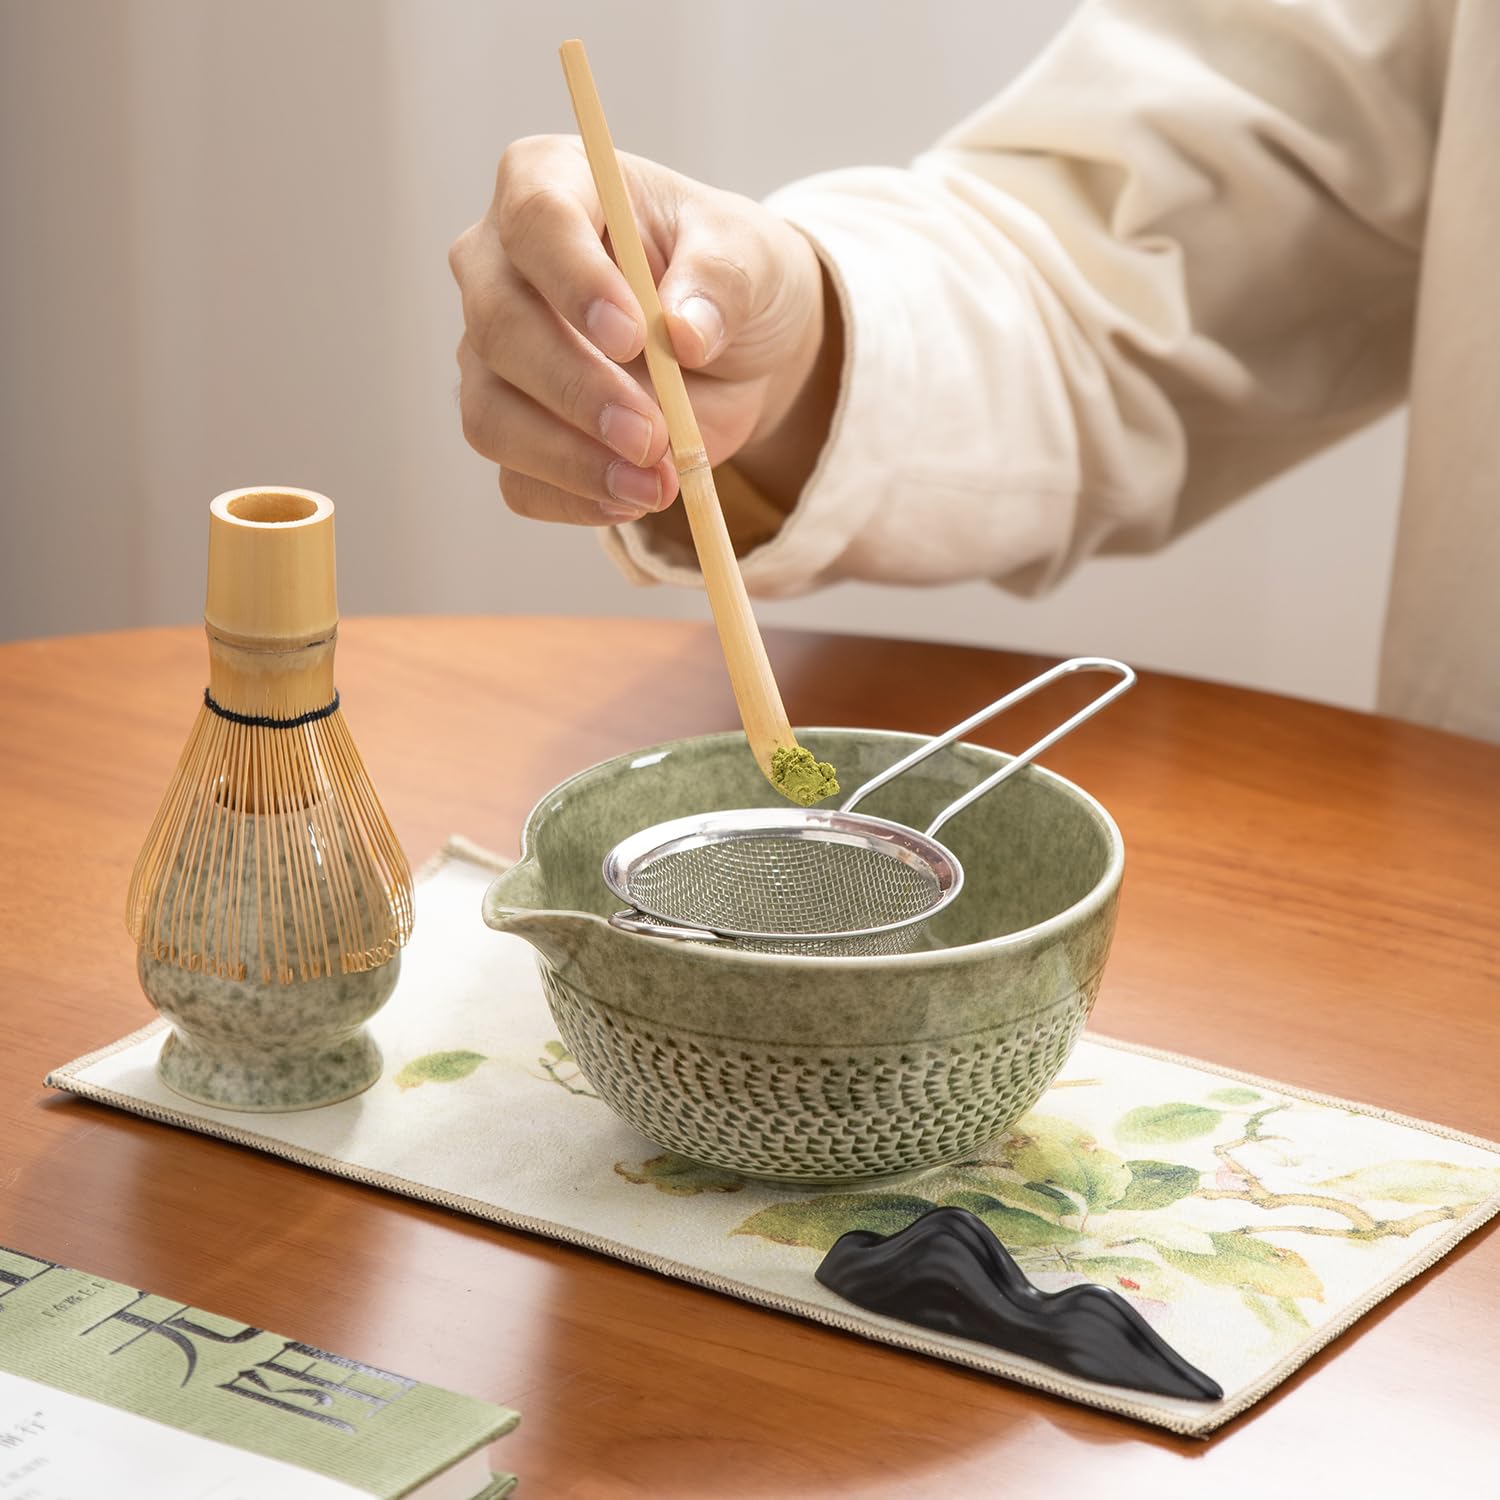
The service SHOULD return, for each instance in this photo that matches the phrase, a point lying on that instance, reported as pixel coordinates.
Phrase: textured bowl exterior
(824, 1115)
(813, 1069)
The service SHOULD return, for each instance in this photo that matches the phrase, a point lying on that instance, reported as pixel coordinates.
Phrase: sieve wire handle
(630, 920)
(1025, 758)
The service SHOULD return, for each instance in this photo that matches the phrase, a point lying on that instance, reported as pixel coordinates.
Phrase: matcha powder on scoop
(802, 778)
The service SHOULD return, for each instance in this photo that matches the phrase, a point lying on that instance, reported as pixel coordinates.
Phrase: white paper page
(57, 1446)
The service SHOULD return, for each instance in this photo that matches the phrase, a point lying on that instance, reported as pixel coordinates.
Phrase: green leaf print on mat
(818, 1222)
(1235, 1096)
(1158, 1184)
(1241, 1260)
(670, 1173)
(1155, 1124)
(559, 1066)
(1419, 1182)
(1059, 1154)
(1034, 1197)
(950, 1185)
(438, 1067)
(1014, 1226)
(1280, 1315)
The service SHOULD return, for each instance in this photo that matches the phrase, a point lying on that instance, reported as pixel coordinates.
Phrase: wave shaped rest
(947, 1271)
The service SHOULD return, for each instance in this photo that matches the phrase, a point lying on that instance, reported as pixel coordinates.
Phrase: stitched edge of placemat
(66, 1078)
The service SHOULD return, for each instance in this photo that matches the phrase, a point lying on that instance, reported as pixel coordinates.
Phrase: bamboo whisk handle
(271, 575)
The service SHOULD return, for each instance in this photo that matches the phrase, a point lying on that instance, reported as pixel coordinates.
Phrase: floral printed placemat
(1249, 1221)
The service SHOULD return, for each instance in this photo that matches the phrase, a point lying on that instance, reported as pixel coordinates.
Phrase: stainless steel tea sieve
(800, 880)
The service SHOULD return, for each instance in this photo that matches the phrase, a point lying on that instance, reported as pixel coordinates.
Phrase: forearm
(1114, 300)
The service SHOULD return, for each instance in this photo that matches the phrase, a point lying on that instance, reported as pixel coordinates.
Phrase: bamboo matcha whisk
(271, 860)
(792, 770)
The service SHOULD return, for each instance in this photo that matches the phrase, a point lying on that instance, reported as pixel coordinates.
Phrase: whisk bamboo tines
(271, 858)
(792, 770)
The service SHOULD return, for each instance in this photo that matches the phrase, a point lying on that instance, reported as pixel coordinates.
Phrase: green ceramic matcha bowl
(812, 1069)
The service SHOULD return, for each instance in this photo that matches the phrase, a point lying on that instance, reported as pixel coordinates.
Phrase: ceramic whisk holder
(242, 1041)
(271, 899)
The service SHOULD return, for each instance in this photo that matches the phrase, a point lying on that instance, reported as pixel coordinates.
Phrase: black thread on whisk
(265, 721)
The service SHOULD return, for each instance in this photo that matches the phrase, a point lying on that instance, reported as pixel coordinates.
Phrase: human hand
(554, 388)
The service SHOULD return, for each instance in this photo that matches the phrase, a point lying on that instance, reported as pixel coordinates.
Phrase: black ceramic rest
(948, 1272)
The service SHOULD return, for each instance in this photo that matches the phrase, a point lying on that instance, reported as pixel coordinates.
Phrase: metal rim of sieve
(891, 840)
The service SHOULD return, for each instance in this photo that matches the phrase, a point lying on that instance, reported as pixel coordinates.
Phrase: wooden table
(1310, 894)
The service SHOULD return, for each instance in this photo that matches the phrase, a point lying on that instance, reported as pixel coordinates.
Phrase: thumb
(709, 292)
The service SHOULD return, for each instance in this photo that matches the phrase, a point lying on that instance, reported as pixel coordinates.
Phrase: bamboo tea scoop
(790, 769)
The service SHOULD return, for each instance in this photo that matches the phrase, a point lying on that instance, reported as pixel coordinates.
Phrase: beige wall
(224, 226)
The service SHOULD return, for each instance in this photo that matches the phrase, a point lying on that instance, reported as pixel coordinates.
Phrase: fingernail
(626, 431)
(640, 487)
(611, 328)
(707, 322)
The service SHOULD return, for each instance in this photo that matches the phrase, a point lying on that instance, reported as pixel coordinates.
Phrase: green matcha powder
(800, 777)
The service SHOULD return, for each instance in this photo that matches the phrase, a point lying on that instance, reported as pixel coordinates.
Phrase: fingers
(554, 388)
(548, 222)
(721, 276)
(539, 501)
(549, 469)
(528, 346)
(710, 251)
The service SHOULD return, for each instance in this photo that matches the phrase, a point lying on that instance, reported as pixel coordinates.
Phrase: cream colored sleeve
(1178, 255)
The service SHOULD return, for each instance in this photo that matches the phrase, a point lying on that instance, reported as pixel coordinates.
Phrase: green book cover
(200, 1372)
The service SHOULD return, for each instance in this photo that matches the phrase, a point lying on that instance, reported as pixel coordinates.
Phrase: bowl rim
(1094, 898)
